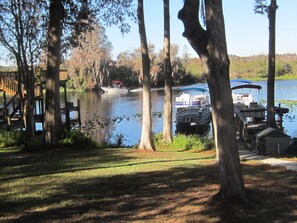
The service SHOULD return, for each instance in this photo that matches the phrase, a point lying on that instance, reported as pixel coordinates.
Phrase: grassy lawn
(123, 185)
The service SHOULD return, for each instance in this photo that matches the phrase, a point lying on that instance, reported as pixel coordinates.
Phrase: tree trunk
(52, 126)
(210, 45)
(29, 107)
(271, 66)
(167, 121)
(26, 77)
(146, 142)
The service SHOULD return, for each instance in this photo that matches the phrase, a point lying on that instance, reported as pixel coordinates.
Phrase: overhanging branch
(194, 32)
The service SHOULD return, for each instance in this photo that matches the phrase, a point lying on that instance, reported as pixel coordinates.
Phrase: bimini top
(252, 86)
(241, 81)
(203, 90)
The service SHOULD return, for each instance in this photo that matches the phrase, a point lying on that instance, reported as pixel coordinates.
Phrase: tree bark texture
(52, 126)
(167, 121)
(26, 77)
(210, 45)
(146, 141)
(271, 66)
(29, 109)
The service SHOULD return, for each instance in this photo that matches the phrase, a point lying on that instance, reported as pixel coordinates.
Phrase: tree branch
(194, 32)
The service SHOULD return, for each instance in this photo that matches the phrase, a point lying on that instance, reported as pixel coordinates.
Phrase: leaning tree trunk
(271, 66)
(146, 142)
(52, 126)
(210, 45)
(167, 121)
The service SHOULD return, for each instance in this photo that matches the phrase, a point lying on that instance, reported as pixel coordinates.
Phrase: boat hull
(192, 110)
(193, 116)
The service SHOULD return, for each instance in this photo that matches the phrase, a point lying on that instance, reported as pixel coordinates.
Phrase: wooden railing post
(78, 112)
(67, 114)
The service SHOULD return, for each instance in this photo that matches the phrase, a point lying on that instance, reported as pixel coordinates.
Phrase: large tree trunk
(52, 126)
(271, 66)
(146, 142)
(210, 45)
(167, 121)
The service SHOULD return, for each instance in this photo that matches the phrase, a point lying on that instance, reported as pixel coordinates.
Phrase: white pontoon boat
(244, 101)
(193, 108)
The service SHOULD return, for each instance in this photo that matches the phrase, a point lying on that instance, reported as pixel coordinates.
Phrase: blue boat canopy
(203, 90)
(253, 86)
(241, 81)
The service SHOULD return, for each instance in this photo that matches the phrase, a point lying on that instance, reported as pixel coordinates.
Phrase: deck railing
(9, 80)
(9, 85)
(63, 75)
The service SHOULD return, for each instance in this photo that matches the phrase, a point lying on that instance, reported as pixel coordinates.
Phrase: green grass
(124, 185)
(288, 102)
(287, 77)
(293, 77)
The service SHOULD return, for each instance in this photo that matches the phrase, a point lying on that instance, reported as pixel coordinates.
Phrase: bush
(76, 138)
(188, 142)
(158, 139)
(119, 139)
(11, 138)
(185, 142)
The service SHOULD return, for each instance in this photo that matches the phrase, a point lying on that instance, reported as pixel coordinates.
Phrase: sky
(246, 32)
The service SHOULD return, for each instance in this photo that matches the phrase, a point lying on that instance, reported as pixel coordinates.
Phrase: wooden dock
(250, 121)
(11, 114)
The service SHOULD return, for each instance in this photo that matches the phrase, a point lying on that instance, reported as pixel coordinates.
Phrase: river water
(128, 107)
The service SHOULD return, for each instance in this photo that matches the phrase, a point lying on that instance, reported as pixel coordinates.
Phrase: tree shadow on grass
(180, 194)
(23, 165)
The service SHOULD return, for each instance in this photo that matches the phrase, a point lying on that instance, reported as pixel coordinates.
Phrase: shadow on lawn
(176, 195)
(22, 165)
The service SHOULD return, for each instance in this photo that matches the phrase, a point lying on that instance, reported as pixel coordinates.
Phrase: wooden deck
(248, 122)
(11, 114)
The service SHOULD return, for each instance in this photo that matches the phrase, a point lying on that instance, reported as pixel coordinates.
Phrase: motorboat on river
(193, 108)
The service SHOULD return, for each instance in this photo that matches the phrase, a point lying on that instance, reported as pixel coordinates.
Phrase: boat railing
(192, 109)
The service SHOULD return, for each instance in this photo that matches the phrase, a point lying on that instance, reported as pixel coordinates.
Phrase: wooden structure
(271, 141)
(250, 121)
(11, 114)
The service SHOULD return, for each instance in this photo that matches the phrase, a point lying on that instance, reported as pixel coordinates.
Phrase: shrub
(11, 138)
(185, 142)
(158, 139)
(188, 142)
(76, 138)
(119, 139)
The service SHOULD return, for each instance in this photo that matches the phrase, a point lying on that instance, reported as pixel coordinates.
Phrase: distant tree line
(256, 66)
(90, 65)
(87, 69)
(186, 70)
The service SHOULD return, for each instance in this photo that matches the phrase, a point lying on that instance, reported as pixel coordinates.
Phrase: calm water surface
(110, 105)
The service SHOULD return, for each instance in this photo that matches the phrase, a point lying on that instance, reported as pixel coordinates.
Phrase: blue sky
(246, 32)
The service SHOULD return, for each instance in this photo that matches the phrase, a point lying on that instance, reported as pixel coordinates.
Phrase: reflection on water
(108, 106)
